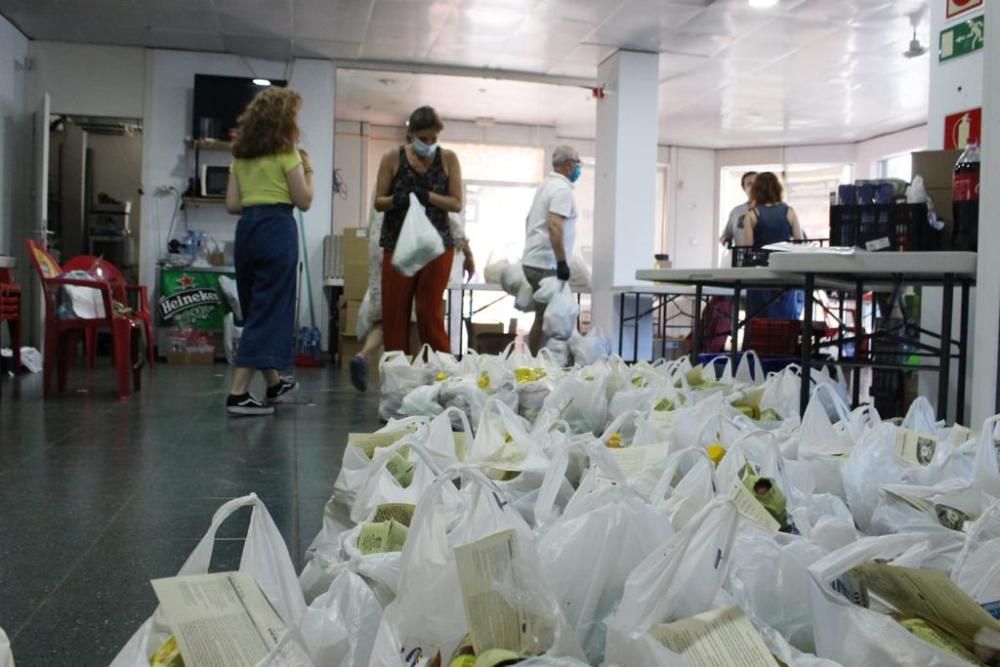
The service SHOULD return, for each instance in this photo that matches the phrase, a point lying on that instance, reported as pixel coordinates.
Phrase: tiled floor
(98, 496)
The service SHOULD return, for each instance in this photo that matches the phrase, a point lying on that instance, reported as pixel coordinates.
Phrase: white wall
(870, 152)
(350, 160)
(15, 138)
(88, 79)
(168, 162)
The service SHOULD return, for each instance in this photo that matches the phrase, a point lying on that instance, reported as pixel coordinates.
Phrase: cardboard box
(349, 317)
(936, 167)
(188, 358)
(355, 262)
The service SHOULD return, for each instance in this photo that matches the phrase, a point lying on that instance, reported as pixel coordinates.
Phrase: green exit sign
(962, 39)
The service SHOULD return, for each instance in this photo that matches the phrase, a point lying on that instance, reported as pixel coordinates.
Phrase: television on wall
(219, 101)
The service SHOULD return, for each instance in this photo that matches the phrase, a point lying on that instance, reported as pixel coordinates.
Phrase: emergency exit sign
(956, 7)
(962, 39)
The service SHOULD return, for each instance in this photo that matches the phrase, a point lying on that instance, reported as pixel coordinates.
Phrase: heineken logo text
(186, 300)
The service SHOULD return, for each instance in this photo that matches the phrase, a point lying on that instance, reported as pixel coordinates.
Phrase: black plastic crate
(745, 255)
(883, 227)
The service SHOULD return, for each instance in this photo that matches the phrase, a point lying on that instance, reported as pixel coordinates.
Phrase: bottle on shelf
(965, 197)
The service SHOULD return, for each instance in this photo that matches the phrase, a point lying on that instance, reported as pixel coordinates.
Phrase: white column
(625, 184)
(986, 332)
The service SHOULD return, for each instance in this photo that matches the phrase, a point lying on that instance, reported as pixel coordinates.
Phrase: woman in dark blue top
(770, 221)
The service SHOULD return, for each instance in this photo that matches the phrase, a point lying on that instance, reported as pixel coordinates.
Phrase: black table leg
(621, 324)
(696, 339)
(944, 371)
(806, 358)
(859, 336)
(734, 326)
(635, 329)
(963, 354)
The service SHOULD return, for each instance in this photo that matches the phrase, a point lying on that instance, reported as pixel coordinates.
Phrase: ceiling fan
(916, 48)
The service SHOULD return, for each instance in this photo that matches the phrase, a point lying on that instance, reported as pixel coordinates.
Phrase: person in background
(434, 175)
(739, 212)
(374, 338)
(269, 176)
(550, 230)
(769, 221)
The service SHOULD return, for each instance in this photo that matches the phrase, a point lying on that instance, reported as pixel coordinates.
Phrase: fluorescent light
(762, 4)
(262, 82)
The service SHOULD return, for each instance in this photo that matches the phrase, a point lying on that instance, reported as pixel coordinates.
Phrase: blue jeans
(266, 256)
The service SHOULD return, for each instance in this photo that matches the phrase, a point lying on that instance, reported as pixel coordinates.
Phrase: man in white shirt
(550, 230)
(739, 212)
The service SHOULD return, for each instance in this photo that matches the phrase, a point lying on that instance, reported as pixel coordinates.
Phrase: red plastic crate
(774, 338)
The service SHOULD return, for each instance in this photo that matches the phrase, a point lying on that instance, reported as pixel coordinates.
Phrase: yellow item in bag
(484, 380)
(168, 655)
(524, 375)
(441, 376)
(614, 441)
(716, 452)
(498, 657)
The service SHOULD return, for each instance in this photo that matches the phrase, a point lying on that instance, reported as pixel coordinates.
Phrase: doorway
(95, 179)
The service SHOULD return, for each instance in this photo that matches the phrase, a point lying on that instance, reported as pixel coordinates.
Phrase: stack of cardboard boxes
(355, 263)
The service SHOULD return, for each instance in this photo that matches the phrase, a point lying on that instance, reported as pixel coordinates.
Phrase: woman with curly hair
(268, 177)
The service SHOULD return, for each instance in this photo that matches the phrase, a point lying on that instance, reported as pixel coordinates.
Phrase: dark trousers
(266, 254)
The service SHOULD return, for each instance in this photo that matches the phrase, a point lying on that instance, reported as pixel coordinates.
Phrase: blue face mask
(575, 174)
(422, 149)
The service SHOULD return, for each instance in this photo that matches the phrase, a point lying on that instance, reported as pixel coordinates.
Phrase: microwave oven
(214, 181)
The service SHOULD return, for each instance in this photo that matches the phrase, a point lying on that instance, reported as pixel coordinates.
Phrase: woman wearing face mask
(434, 175)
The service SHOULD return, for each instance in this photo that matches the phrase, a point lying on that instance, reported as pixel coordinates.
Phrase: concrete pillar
(986, 333)
(625, 183)
(954, 85)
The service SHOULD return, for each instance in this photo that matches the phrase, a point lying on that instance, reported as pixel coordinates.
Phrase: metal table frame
(802, 273)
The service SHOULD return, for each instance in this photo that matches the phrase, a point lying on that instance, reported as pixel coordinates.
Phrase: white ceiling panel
(801, 72)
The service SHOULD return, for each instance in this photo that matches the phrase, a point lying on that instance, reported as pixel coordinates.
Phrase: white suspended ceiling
(807, 71)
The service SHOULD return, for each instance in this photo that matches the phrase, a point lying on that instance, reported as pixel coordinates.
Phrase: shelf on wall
(209, 144)
(204, 201)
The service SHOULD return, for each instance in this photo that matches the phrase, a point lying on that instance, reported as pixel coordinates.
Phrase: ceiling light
(762, 4)
(262, 82)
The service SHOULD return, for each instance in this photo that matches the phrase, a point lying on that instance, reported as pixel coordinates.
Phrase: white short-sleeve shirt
(554, 195)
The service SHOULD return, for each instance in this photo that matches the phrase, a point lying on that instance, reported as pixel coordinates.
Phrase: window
(896, 166)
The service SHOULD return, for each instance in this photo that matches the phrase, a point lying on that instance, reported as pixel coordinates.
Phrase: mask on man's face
(422, 149)
(575, 174)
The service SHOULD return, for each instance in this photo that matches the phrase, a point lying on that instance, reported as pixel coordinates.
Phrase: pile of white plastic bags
(513, 511)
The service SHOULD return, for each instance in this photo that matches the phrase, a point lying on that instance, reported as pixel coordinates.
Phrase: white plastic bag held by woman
(419, 242)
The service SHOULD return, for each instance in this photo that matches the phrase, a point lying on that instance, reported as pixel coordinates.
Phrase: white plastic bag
(560, 352)
(617, 529)
(854, 635)
(265, 558)
(428, 617)
(512, 278)
(339, 627)
(231, 294)
(231, 337)
(589, 349)
(523, 298)
(561, 315)
(679, 579)
(422, 401)
(548, 287)
(419, 242)
(582, 402)
(400, 377)
(77, 302)
(503, 442)
(6, 656)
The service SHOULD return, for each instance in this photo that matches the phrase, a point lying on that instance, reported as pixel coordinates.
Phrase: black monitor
(219, 101)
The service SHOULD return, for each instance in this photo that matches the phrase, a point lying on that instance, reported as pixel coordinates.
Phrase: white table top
(7, 262)
(197, 269)
(495, 287)
(333, 282)
(876, 263)
(671, 289)
(755, 276)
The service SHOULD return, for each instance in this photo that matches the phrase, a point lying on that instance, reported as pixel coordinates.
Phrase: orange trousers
(427, 288)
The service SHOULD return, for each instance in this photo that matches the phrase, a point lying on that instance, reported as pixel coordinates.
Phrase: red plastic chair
(60, 334)
(121, 290)
(10, 312)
